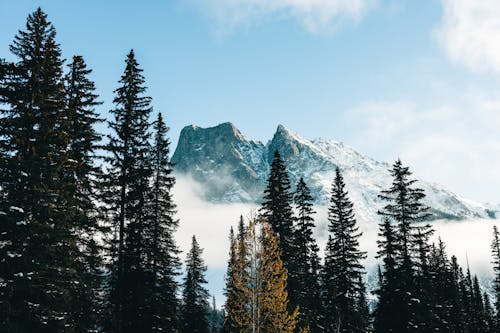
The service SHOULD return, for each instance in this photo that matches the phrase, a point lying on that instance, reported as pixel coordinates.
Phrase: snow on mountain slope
(233, 168)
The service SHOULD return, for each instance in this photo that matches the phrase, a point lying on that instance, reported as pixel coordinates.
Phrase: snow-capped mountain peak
(233, 168)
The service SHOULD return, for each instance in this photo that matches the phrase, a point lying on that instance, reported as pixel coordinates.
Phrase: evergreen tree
(307, 261)
(162, 254)
(237, 318)
(489, 315)
(81, 173)
(214, 317)
(127, 185)
(495, 248)
(408, 287)
(40, 255)
(194, 310)
(278, 211)
(388, 283)
(343, 269)
(273, 313)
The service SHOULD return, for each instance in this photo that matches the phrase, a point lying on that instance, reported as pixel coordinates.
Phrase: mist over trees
(88, 222)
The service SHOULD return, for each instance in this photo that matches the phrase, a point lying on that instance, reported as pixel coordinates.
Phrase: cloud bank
(454, 140)
(211, 222)
(470, 31)
(314, 15)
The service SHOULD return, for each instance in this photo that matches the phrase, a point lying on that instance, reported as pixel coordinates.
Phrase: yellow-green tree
(237, 318)
(273, 300)
(256, 283)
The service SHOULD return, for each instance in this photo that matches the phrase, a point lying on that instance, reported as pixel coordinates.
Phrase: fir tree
(161, 250)
(195, 306)
(237, 316)
(214, 317)
(408, 294)
(388, 283)
(81, 173)
(273, 314)
(495, 248)
(278, 211)
(343, 268)
(40, 256)
(307, 261)
(127, 184)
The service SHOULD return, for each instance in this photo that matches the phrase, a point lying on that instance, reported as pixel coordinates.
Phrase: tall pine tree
(39, 258)
(272, 301)
(277, 209)
(127, 185)
(307, 261)
(495, 248)
(195, 304)
(237, 283)
(81, 173)
(343, 285)
(407, 279)
(163, 262)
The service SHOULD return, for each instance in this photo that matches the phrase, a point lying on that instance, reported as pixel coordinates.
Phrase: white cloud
(470, 31)
(315, 15)
(456, 144)
(211, 222)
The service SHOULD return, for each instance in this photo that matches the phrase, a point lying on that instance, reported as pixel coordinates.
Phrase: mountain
(233, 168)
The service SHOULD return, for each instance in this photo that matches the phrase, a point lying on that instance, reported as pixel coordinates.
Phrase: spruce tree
(388, 282)
(406, 210)
(273, 313)
(39, 258)
(237, 316)
(307, 261)
(277, 209)
(83, 141)
(195, 306)
(343, 269)
(126, 189)
(163, 262)
(495, 248)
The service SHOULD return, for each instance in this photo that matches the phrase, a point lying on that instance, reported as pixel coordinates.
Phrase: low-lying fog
(211, 222)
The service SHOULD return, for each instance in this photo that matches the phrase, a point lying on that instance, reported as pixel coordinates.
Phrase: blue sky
(412, 79)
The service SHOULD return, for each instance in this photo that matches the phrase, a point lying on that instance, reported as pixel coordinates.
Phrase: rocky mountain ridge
(233, 168)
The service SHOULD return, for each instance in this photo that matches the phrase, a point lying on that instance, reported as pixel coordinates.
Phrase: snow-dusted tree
(37, 266)
(495, 248)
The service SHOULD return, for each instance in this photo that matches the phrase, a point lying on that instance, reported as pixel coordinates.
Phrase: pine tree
(237, 318)
(273, 312)
(405, 208)
(343, 268)
(257, 297)
(307, 261)
(194, 310)
(388, 283)
(489, 315)
(127, 185)
(163, 262)
(83, 142)
(214, 317)
(39, 258)
(495, 248)
(278, 211)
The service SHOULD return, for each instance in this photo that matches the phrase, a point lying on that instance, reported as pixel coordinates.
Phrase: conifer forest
(88, 223)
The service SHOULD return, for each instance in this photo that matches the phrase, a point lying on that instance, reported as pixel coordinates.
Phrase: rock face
(232, 168)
